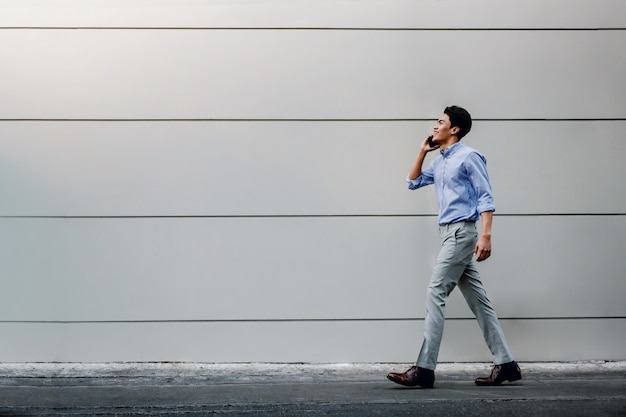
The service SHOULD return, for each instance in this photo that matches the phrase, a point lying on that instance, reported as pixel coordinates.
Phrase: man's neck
(451, 141)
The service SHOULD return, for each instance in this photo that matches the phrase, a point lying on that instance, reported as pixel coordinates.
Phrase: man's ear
(454, 130)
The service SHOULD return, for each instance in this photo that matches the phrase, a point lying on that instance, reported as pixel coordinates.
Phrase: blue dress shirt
(461, 184)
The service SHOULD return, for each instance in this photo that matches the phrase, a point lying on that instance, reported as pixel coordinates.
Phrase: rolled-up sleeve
(426, 178)
(476, 166)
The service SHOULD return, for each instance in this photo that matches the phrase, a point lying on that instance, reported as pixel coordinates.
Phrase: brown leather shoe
(506, 372)
(414, 377)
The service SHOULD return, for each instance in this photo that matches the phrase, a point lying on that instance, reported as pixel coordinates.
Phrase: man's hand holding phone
(429, 145)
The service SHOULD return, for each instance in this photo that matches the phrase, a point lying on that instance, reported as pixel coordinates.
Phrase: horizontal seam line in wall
(244, 216)
(596, 119)
(297, 320)
(315, 28)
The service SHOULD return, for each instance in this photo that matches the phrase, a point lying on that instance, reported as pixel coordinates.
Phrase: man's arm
(416, 169)
(483, 247)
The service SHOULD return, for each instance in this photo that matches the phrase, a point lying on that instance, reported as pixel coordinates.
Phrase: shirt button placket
(443, 181)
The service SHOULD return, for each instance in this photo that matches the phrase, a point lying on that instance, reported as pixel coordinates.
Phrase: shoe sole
(496, 385)
(409, 385)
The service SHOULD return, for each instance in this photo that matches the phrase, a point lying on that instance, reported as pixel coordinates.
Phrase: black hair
(460, 118)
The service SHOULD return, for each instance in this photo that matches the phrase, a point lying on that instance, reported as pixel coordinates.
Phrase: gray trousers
(456, 267)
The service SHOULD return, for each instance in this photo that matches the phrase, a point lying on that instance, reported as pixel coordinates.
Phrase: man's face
(442, 130)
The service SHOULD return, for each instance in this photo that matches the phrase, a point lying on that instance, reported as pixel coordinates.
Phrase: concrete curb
(291, 371)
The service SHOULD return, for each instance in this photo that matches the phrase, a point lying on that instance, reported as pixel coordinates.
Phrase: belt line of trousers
(455, 266)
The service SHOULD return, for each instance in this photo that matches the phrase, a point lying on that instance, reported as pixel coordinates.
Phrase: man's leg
(457, 245)
(476, 297)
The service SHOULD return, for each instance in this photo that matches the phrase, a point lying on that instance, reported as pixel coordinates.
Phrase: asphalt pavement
(193, 389)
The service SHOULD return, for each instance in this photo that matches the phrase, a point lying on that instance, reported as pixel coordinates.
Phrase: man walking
(464, 195)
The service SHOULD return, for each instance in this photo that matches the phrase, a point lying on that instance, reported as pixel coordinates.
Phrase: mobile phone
(431, 143)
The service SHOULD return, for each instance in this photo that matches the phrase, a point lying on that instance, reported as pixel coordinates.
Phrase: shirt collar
(451, 149)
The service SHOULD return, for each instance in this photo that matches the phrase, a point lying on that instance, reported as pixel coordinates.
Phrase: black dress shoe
(506, 372)
(414, 377)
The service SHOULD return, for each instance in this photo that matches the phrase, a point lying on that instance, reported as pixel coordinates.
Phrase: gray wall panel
(133, 74)
(315, 13)
(322, 342)
(297, 268)
(238, 268)
(294, 168)
(204, 168)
